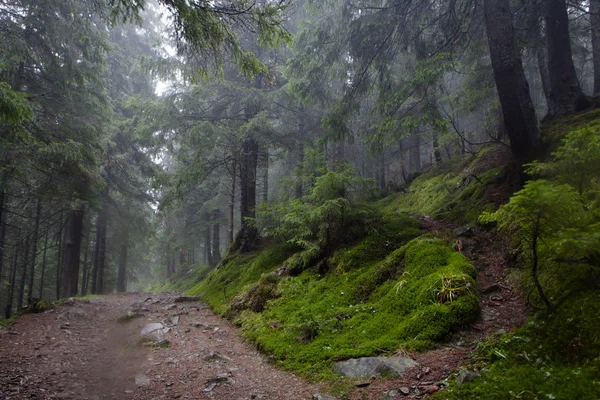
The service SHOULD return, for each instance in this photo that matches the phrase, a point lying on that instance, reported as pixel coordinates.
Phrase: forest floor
(79, 350)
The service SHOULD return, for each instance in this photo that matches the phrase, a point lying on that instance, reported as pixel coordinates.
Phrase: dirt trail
(79, 351)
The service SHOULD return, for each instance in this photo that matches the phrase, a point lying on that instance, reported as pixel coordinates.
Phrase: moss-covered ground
(554, 356)
(455, 190)
(391, 290)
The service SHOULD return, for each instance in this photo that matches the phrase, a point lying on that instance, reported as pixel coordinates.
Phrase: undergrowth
(554, 356)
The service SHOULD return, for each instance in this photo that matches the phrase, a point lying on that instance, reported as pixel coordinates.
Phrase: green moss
(553, 131)
(364, 311)
(555, 356)
(231, 278)
(455, 190)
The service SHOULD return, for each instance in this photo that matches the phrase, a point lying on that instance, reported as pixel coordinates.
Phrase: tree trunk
(207, 246)
(247, 237)
(168, 260)
(86, 265)
(41, 296)
(13, 279)
(21, 294)
(36, 232)
(513, 90)
(595, 25)
(95, 254)
(566, 95)
(121, 277)
(72, 254)
(59, 256)
(232, 205)
(100, 252)
(2, 232)
(265, 177)
(298, 189)
(381, 170)
(414, 153)
(436, 149)
(216, 243)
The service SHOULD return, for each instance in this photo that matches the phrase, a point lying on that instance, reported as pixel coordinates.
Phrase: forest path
(78, 350)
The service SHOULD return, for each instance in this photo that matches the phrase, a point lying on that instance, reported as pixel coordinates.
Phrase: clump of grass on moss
(554, 356)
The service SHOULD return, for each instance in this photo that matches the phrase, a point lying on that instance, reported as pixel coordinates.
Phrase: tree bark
(207, 246)
(566, 95)
(265, 177)
(59, 256)
(13, 279)
(513, 90)
(36, 232)
(247, 237)
(414, 151)
(121, 276)
(72, 254)
(86, 265)
(21, 293)
(41, 296)
(2, 231)
(216, 243)
(100, 252)
(232, 205)
(595, 27)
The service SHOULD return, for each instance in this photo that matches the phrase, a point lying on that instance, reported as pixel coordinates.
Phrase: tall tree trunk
(2, 232)
(122, 276)
(13, 278)
(566, 95)
(43, 273)
(544, 77)
(595, 25)
(100, 252)
(381, 169)
(86, 265)
(298, 189)
(436, 149)
(101, 260)
(59, 256)
(232, 205)
(207, 246)
(36, 232)
(414, 151)
(168, 260)
(21, 294)
(513, 90)
(247, 236)
(265, 177)
(95, 254)
(72, 254)
(216, 243)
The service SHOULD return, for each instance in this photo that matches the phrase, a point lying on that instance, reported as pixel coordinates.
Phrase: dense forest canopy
(107, 185)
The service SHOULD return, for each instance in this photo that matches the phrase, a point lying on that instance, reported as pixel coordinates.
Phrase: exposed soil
(79, 351)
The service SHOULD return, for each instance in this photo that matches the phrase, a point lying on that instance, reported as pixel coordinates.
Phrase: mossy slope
(456, 190)
(407, 298)
(552, 357)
